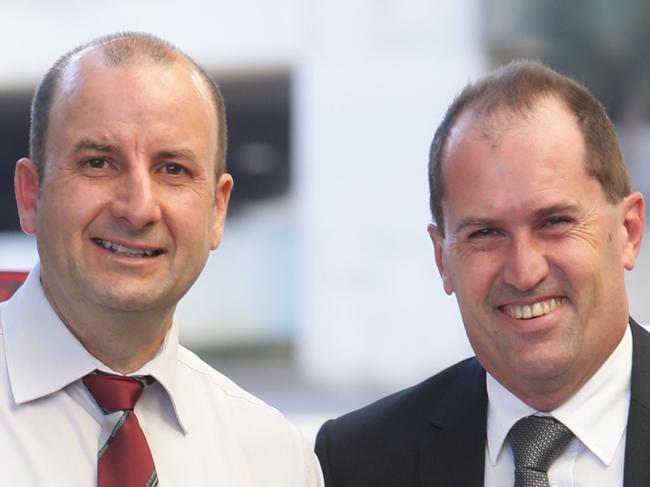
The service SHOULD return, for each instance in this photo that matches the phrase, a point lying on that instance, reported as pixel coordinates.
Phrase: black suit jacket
(433, 434)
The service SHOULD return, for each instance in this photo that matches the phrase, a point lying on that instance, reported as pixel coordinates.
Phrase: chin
(132, 300)
(542, 367)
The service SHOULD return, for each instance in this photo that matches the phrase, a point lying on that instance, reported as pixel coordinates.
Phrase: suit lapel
(452, 451)
(637, 442)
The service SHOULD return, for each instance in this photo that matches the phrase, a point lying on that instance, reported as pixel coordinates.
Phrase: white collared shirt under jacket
(596, 414)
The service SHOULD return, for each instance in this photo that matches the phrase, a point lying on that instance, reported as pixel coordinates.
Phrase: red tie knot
(114, 392)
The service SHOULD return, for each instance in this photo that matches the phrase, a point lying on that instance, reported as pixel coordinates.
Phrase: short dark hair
(118, 49)
(515, 88)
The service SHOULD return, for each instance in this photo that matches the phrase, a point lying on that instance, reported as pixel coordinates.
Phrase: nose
(525, 265)
(136, 201)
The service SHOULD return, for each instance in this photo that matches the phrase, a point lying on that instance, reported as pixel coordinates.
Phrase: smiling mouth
(528, 311)
(126, 251)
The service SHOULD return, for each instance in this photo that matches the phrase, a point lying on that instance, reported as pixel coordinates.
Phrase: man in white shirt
(535, 225)
(126, 192)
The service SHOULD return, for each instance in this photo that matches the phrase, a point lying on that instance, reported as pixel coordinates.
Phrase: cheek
(190, 217)
(473, 274)
(64, 212)
(581, 264)
(485, 338)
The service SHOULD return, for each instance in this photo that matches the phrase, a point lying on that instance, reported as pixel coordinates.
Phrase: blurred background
(324, 294)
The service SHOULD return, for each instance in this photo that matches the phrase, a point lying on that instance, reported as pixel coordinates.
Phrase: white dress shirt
(202, 429)
(596, 414)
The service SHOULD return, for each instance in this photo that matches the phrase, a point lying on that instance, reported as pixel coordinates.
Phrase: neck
(546, 403)
(122, 340)
(123, 352)
(549, 394)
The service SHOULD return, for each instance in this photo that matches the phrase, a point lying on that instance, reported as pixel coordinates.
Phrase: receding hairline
(493, 123)
(134, 49)
(105, 57)
(123, 47)
(490, 121)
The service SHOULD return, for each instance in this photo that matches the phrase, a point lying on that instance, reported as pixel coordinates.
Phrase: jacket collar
(453, 451)
(637, 442)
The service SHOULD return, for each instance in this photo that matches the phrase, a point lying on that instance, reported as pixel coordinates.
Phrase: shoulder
(217, 400)
(414, 404)
(222, 413)
(383, 439)
(195, 374)
(640, 332)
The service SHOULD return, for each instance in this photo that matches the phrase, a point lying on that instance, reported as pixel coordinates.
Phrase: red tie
(125, 459)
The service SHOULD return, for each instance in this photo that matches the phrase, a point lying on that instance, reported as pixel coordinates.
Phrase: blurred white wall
(373, 80)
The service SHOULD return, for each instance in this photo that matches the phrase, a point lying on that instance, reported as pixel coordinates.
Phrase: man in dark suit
(535, 225)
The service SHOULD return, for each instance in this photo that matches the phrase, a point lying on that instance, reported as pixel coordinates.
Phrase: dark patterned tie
(125, 460)
(536, 441)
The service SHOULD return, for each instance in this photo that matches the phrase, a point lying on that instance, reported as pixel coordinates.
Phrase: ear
(439, 249)
(222, 197)
(27, 192)
(633, 212)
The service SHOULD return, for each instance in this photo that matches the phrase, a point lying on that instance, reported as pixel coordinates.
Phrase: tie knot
(115, 392)
(536, 441)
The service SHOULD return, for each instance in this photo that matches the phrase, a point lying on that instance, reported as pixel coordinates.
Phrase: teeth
(527, 311)
(122, 250)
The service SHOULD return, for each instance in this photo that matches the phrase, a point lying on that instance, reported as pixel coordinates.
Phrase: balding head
(117, 49)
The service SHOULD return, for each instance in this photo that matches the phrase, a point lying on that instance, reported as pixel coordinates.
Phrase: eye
(484, 233)
(173, 169)
(555, 221)
(97, 163)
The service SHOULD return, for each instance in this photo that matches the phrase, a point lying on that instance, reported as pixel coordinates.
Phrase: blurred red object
(9, 282)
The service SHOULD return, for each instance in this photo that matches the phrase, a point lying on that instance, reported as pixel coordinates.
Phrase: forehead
(90, 76)
(170, 101)
(501, 164)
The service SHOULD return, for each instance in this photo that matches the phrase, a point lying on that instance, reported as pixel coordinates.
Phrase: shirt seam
(233, 394)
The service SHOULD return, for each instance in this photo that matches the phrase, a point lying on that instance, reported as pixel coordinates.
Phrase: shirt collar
(163, 368)
(43, 356)
(606, 394)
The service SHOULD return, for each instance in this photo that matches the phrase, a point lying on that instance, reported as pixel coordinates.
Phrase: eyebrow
(557, 209)
(537, 215)
(186, 154)
(90, 144)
